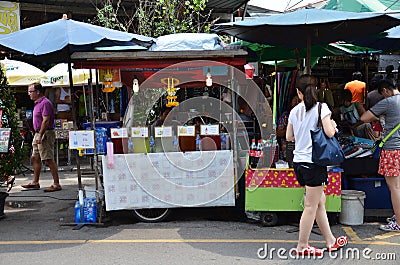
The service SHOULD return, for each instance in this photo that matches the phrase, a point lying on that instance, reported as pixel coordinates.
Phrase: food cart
(271, 191)
(156, 173)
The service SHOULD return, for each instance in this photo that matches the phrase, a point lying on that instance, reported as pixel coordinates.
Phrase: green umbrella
(263, 52)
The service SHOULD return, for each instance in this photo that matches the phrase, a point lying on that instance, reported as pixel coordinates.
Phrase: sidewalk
(44, 207)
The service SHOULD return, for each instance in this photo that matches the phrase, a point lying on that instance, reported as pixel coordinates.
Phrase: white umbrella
(21, 74)
(58, 75)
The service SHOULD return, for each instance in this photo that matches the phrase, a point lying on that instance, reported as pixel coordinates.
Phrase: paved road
(34, 232)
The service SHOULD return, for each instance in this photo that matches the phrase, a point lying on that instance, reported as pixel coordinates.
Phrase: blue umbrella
(56, 41)
(318, 26)
(62, 34)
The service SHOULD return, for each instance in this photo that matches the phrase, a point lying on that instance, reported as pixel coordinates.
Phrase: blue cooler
(376, 191)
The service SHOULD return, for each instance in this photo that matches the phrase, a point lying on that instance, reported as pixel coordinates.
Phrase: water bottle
(198, 142)
(253, 150)
(260, 153)
(130, 145)
(152, 144)
(175, 144)
(77, 210)
(223, 141)
(228, 141)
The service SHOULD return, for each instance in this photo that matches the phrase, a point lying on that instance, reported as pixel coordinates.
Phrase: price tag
(209, 129)
(119, 132)
(186, 130)
(140, 132)
(163, 131)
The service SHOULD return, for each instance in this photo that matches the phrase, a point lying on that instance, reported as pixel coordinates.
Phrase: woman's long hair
(307, 84)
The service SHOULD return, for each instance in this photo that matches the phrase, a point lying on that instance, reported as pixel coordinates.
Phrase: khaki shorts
(45, 150)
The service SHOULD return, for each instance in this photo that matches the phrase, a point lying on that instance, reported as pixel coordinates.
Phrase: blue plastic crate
(376, 191)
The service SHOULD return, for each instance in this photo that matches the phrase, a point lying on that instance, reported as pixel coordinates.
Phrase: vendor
(325, 93)
(350, 118)
(63, 100)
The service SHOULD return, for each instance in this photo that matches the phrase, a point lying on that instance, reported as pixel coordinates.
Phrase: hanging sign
(209, 129)
(163, 131)
(81, 139)
(186, 131)
(140, 132)
(4, 139)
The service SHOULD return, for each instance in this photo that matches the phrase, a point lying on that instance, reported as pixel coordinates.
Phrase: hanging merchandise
(111, 79)
(171, 90)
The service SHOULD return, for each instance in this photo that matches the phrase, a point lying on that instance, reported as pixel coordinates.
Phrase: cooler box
(376, 191)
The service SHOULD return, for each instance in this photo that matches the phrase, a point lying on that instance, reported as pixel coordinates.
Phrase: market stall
(195, 157)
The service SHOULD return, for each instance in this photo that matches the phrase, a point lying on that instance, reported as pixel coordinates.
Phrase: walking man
(44, 139)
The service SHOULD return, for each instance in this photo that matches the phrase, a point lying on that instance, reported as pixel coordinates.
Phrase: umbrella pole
(274, 96)
(308, 55)
(71, 87)
(366, 78)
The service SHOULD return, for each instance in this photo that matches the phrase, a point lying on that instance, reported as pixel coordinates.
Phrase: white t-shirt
(303, 122)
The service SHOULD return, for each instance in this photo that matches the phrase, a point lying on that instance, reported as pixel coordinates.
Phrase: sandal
(340, 242)
(53, 188)
(309, 251)
(10, 183)
(31, 186)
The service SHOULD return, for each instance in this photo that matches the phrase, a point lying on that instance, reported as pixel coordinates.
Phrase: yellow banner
(9, 17)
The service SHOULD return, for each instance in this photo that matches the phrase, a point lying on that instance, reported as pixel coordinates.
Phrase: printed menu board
(81, 139)
(4, 139)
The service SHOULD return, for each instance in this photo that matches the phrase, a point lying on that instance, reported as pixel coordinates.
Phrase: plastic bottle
(228, 141)
(223, 141)
(253, 148)
(152, 144)
(110, 154)
(175, 144)
(77, 210)
(260, 153)
(198, 142)
(130, 145)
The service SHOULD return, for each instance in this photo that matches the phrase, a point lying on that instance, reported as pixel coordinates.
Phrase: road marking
(130, 241)
(387, 235)
(351, 233)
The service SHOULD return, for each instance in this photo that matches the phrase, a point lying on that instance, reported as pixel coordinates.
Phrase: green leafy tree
(156, 18)
(12, 161)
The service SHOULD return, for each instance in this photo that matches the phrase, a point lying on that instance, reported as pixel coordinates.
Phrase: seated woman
(350, 118)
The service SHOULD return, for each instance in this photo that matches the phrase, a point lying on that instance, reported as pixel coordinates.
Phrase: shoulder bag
(377, 147)
(325, 151)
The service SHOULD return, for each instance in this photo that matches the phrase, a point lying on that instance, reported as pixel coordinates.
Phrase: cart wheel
(151, 215)
(269, 219)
